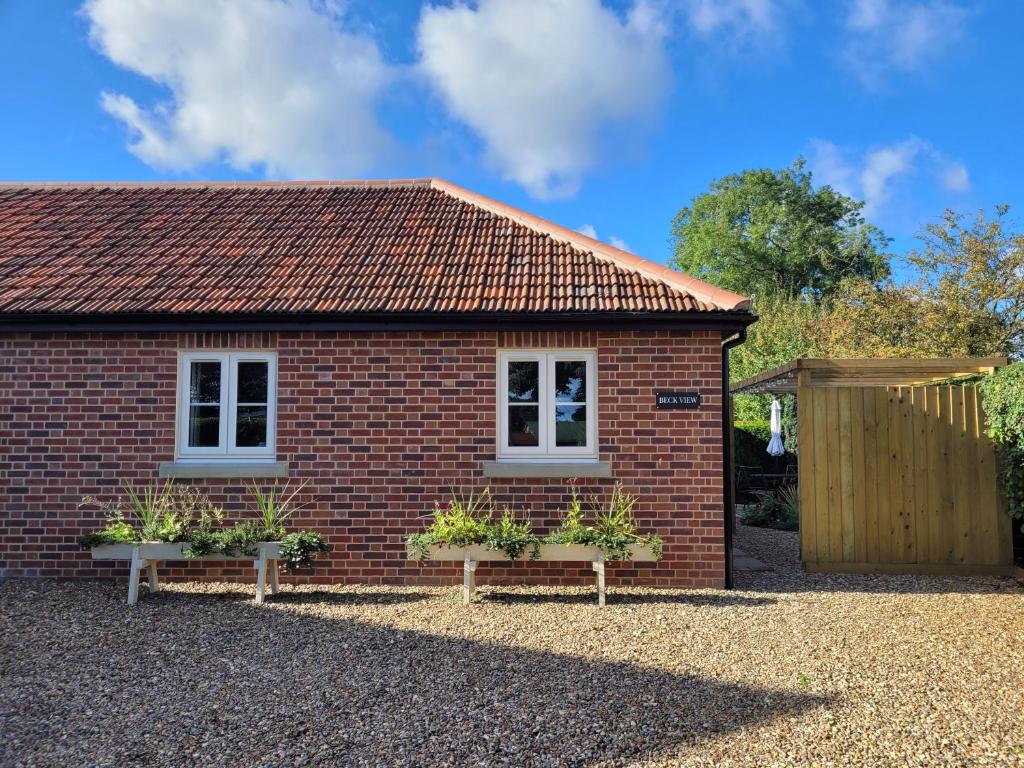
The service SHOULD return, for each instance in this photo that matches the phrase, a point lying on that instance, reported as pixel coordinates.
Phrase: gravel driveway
(788, 669)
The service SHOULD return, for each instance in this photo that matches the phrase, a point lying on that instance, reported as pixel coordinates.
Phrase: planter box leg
(261, 579)
(154, 583)
(468, 579)
(598, 566)
(275, 576)
(133, 577)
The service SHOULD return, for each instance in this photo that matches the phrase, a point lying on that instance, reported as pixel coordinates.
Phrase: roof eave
(726, 321)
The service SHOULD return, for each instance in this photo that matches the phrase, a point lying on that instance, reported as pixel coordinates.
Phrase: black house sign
(677, 399)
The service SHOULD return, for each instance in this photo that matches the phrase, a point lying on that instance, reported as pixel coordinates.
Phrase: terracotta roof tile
(419, 245)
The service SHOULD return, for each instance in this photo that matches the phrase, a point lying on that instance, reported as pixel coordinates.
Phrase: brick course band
(381, 424)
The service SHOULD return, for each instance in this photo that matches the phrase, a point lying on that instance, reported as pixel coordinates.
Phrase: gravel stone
(788, 669)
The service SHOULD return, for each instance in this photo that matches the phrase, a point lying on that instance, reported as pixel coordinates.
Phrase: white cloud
(617, 242)
(885, 36)
(540, 80)
(872, 175)
(277, 86)
(955, 177)
(737, 18)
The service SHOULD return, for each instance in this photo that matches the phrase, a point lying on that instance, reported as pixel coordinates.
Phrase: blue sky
(602, 116)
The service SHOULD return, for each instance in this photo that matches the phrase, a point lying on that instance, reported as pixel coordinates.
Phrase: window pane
(570, 381)
(251, 426)
(523, 378)
(204, 382)
(523, 425)
(203, 426)
(571, 426)
(252, 382)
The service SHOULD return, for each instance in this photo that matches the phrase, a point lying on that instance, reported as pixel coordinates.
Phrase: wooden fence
(899, 479)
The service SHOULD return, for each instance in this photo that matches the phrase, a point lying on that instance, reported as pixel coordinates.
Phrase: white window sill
(563, 469)
(224, 469)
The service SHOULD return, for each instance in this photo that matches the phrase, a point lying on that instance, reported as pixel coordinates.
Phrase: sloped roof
(409, 246)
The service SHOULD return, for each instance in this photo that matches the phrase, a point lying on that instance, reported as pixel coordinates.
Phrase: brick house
(383, 340)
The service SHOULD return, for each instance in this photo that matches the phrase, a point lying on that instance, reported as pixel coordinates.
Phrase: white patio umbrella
(775, 446)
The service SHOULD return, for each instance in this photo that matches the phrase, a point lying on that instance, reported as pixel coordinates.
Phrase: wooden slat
(971, 481)
(885, 469)
(921, 514)
(961, 470)
(897, 514)
(821, 497)
(846, 490)
(904, 457)
(805, 470)
(870, 495)
(859, 509)
(835, 477)
(938, 523)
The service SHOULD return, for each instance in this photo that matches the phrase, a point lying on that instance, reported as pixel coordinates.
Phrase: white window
(227, 405)
(547, 405)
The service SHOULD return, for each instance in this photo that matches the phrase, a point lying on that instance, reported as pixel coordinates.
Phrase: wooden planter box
(148, 553)
(565, 553)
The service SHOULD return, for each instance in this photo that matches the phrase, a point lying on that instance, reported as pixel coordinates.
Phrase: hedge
(1004, 418)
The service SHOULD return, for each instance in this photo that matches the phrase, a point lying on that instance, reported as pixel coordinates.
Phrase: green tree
(766, 231)
(965, 297)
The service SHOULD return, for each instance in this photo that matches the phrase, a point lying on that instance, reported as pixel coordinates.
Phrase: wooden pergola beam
(867, 372)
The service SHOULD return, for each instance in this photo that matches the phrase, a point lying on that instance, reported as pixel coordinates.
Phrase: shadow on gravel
(718, 600)
(181, 681)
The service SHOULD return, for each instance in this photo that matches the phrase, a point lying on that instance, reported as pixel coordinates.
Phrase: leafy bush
(1004, 418)
(779, 510)
(299, 549)
(512, 537)
(116, 531)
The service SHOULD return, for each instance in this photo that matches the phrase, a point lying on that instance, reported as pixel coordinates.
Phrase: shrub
(1004, 419)
(513, 537)
(779, 510)
(299, 549)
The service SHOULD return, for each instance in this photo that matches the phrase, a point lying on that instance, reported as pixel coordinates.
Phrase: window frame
(546, 450)
(226, 449)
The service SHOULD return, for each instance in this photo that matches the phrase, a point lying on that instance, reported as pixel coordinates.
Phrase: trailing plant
(779, 509)
(299, 549)
(1004, 419)
(237, 541)
(513, 537)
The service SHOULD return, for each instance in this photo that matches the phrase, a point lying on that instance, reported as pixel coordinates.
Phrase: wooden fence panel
(899, 479)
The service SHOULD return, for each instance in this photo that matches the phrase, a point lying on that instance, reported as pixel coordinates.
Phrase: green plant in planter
(299, 549)
(614, 529)
(275, 507)
(512, 537)
(117, 531)
(464, 521)
(165, 513)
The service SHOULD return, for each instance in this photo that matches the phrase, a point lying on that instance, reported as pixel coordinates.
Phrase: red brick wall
(381, 424)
